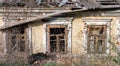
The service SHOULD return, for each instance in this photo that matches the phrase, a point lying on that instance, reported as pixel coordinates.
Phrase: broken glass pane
(53, 38)
(53, 47)
(96, 35)
(100, 48)
(92, 46)
(57, 30)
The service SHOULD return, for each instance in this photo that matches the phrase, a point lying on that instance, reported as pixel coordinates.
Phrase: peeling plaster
(97, 21)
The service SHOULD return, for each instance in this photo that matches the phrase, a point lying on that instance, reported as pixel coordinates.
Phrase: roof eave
(37, 18)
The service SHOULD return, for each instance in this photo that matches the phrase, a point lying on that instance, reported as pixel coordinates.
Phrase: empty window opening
(96, 39)
(57, 39)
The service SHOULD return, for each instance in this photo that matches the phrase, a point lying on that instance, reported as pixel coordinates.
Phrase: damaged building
(74, 27)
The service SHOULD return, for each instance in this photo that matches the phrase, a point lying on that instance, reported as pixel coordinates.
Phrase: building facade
(76, 28)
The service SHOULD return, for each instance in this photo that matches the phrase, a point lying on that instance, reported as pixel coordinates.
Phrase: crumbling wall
(37, 37)
(78, 36)
(2, 48)
(1, 43)
(114, 40)
(1, 21)
(1, 35)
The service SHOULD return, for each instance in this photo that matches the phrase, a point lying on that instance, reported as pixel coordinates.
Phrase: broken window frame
(65, 37)
(95, 46)
(98, 21)
(15, 31)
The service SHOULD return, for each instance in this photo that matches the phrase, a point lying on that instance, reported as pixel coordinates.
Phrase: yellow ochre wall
(37, 37)
(77, 35)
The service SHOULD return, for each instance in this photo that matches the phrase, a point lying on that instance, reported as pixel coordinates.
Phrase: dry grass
(65, 61)
(68, 61)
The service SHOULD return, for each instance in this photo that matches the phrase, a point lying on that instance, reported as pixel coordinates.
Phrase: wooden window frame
(65, 36)
(103, 38)
(19, 36)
